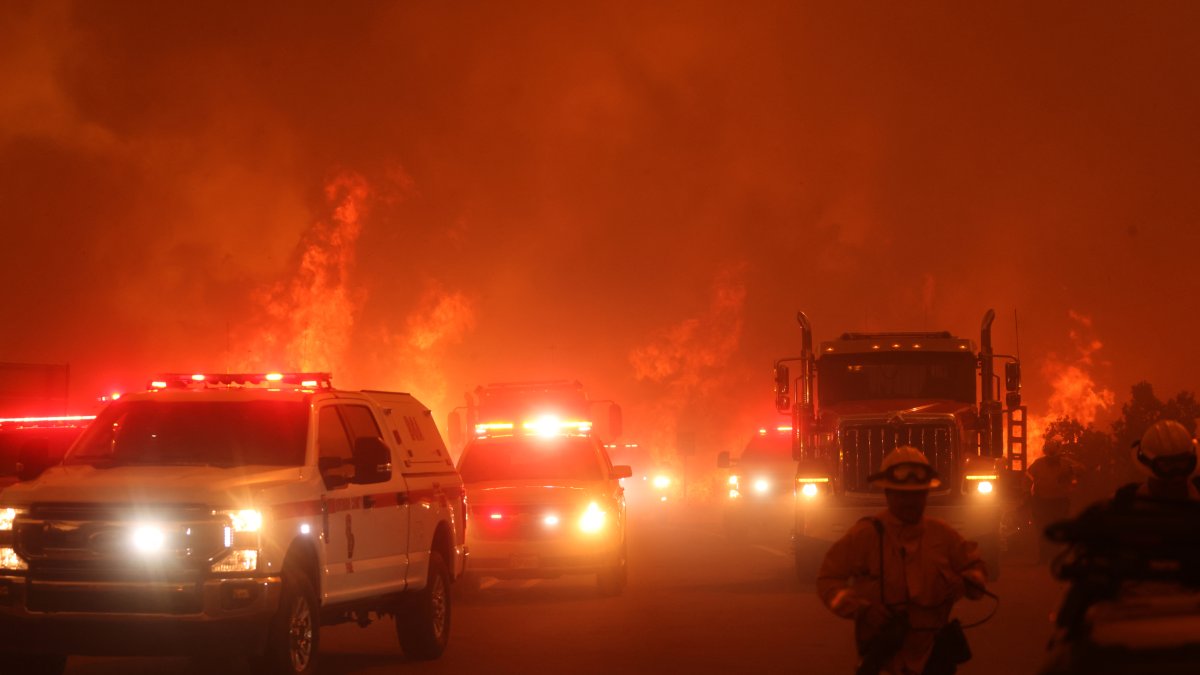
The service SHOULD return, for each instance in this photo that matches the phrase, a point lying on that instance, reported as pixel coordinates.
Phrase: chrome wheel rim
(300, 634)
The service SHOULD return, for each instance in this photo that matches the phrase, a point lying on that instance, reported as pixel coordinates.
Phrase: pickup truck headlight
(242, 536)
(9, 560)
(592, 520)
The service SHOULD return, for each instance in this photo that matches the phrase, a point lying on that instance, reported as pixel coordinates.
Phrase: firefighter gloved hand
(847, 604)
(973, 581)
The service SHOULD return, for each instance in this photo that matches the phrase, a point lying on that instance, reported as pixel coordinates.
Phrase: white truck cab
(233, 512)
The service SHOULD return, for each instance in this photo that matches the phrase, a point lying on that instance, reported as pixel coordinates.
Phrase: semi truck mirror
(783, 386)
(1012, 376)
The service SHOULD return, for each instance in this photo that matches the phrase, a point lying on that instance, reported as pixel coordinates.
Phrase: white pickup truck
(233, 514)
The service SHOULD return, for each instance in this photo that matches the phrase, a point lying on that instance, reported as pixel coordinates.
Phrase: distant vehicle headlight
(592, 519)
(662, 482)
(984, 487)
(809, 490)
(762, 485)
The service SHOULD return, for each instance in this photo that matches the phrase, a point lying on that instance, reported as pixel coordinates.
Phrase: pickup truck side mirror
(723, 460)
(372, 461)
(327, 465)
(622, 471)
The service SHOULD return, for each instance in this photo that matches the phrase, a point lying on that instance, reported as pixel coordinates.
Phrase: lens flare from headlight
(662, 482)
(809, 490)
(148, 539)
(551, 520)
(985, 487)
(592, 519)
(762, 485)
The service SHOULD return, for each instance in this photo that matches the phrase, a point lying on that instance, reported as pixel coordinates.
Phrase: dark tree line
(1108, 455)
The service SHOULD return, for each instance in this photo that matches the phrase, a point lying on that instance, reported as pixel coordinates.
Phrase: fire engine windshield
(896, 375)
(214, 433)
(521, 459)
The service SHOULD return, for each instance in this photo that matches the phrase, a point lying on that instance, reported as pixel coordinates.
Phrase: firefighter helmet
(905, 468)
(1166, 450)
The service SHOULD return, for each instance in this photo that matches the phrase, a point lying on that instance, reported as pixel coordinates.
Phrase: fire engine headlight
(762, 485)
(984, 484)
(662, 482)
(592, 519)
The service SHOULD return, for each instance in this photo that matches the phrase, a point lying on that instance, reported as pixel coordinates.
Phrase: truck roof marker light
(274, 377)
(309, 383)
(829, 349)
(762, 431)
(895, 345)
(496, 516)
(874, 346)
(783, 428)
(916, 346)
(158, 384)
(198, 377)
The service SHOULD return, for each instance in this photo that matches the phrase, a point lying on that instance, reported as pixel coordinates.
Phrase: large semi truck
(859, 396)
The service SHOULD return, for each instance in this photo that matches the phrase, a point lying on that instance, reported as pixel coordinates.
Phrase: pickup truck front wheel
(423, 623)
(294, 635)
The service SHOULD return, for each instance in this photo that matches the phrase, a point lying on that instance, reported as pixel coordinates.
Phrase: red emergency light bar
(229, 380)
(47, 422)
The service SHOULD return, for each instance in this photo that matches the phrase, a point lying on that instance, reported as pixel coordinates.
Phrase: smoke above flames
(687, 364)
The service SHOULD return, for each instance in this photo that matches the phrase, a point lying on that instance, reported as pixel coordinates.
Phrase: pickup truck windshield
(521, 459)
(216, 433)
(896, 375)
(772, 448)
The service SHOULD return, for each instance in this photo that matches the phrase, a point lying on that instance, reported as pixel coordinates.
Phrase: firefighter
(1166, 453)
(1054, 477)
(926, 567)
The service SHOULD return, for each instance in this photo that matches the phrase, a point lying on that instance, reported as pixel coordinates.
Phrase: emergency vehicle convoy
(863, 394)
(759, 487)
(545, 498)
(233, 512)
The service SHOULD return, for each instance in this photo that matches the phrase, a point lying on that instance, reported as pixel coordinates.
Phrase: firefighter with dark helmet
(1166, 453)
(898, 575)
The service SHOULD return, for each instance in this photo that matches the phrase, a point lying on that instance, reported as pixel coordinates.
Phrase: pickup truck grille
(80, 542)
(522, 522)
(864, 445)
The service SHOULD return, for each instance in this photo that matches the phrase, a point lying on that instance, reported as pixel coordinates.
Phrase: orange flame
(312, 315)
(1074, 391)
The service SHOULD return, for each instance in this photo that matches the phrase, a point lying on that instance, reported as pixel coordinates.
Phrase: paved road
(696, 603)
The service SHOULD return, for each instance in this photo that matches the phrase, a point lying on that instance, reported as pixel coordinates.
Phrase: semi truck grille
(80, 541)
(864, 445)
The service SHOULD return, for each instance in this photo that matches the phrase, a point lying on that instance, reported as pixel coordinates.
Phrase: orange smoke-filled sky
(636, 195)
